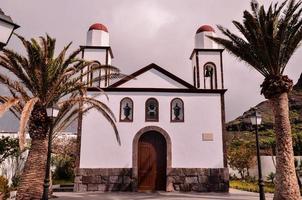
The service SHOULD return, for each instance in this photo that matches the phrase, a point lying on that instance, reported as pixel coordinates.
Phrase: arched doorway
(158, 130)
(152, 162)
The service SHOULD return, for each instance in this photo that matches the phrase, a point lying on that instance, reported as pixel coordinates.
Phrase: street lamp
(255, 120)
(7, 27)
(52, 113)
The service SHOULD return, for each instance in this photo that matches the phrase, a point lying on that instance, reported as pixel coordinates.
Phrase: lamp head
(7, 27)
(52, 111)
(256, 117)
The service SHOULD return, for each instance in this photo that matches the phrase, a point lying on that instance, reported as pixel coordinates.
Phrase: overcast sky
(146, 31)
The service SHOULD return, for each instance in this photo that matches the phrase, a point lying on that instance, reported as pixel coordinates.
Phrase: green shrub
(271, 177)
(64, 168)
(8, 147)
(241, 156)
(4, 187)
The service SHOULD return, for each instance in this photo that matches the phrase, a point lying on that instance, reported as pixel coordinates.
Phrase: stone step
(63, 188)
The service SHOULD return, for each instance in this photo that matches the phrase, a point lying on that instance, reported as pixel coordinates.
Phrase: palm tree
(37, 82)
(269, 39)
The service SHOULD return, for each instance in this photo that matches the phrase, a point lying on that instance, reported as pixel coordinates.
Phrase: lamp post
(52, 113)
(255, 120)
(7, 27)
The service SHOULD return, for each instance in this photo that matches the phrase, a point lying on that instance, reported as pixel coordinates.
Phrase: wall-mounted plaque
(207, 137)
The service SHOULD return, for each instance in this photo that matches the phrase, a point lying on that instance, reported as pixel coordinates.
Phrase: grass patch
(251, 186)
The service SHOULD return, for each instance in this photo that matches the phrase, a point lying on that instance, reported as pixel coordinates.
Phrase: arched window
(151, 110)
(210, 76)
(177, 110)
(126, 110)
(93, 78)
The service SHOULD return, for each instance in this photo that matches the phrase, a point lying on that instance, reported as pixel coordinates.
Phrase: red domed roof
(98, 26)
(205, 28)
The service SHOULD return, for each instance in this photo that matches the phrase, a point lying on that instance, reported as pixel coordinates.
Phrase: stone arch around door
(169, 184)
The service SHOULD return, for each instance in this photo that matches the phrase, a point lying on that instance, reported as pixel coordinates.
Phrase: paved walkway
(233, 195)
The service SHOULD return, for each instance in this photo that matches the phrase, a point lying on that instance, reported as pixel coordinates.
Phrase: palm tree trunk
(286, 181)
(32, 179)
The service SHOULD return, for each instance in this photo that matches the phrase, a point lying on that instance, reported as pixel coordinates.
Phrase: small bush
(271, 177)
(64, 168)
(251, 186)
(64, 151)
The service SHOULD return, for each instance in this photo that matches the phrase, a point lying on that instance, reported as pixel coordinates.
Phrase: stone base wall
(178, 179)
(115, 179)
(199, 180)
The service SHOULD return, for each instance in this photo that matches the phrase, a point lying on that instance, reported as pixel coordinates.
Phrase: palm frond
(15, 109)
(269, 37)
(48, 78)
(100, 107)
(25, 115)
(7, 105)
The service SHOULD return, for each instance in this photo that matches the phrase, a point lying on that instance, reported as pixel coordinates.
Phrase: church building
(172, 132)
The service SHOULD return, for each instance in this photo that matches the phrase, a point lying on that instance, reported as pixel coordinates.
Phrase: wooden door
(152, 159)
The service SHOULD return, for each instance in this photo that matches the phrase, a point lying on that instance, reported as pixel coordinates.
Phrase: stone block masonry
(111, 179)
(199, 180)
(182, 179)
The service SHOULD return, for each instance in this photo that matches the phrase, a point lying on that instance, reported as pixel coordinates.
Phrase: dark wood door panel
(146, 166)
(152, 162)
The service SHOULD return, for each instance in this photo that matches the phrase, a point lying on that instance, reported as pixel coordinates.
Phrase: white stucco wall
(100, 56)
(205, 57)
(99, 148)
(203, 42)
(267, 166)
(95, 55)
(97, 38)
(152, 79)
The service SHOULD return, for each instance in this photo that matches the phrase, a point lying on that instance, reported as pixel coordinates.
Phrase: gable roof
(147, 68)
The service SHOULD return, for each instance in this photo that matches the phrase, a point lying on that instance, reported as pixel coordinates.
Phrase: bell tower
(207, 60)
(98, 49)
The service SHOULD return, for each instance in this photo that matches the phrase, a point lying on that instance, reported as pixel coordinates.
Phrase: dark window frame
(90, 76)
(213, 82)
(171, 110)
(157, 110)
(121, 102)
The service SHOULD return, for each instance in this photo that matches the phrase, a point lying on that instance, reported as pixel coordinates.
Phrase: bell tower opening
(98, 50)
(207, 60)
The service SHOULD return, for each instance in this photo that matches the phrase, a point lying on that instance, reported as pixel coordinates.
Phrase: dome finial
(98, 26)
(205, 28)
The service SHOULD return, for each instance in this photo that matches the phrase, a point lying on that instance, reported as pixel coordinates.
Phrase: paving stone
(92, 187)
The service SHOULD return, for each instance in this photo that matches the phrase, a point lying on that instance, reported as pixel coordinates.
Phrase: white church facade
(172, 132)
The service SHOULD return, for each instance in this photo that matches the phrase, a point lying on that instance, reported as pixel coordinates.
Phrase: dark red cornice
(97, 47)
(159, 90)
(205, 50)
(147, 68)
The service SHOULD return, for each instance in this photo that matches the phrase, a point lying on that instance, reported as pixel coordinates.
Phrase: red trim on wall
(205, 50)
(97, 47)
(171, 90)
(147, 68)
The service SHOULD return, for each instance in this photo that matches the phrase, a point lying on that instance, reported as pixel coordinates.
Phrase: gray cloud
(145, 31)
